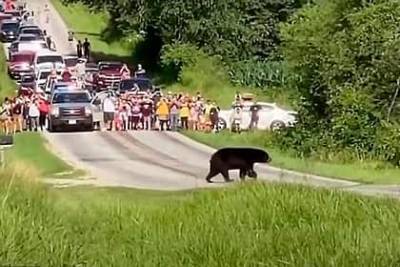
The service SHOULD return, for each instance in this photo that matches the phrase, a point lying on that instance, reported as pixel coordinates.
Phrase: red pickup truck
(109, 75)
(20, 63)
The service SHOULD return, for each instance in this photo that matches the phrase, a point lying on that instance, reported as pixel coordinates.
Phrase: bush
(347, 55)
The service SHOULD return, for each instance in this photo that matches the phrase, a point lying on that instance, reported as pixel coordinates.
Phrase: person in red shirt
(147, 112)
(44, 110)
(66, 75)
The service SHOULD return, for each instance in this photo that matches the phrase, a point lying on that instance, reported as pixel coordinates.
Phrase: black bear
(236, 158)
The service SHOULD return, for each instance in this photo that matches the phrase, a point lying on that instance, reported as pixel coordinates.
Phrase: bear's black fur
(236, 158)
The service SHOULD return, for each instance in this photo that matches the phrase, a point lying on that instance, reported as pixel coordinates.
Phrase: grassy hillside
(31, 151)
(90, 25)
(248, 225)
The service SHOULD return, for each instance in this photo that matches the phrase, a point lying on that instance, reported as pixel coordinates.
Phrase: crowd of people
(23, 113)
(131, 111)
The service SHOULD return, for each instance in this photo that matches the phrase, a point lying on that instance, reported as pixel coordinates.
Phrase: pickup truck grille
(111, 80)
(72, 112)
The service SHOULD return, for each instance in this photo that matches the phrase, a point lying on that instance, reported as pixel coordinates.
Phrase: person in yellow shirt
(184, 114)
(163, 113)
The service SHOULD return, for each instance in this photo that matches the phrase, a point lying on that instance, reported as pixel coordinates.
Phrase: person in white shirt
(33, 114)
(109, 111)
(236, 119)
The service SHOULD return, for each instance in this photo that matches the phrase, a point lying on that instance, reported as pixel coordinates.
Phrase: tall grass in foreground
(249, 225)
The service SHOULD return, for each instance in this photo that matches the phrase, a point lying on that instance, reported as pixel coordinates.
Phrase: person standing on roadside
(109, 112)
(34, 114)
(147, 112)
(254, 113)
(214, 117)
(163, 113)
(43, 111)
(174, 113)
(79, 48)
(49, 42)
(184, 114)
(17, 115)
(86, 49)
(46, 13)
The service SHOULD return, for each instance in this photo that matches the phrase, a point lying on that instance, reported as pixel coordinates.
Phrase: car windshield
(71, 98)
(12, 27)
(28, 79)
(51, 59)
(71, 62)
(24, 38)
(127, 85)
(43, 75)
(144, 84)
(21, 58)
(33, 31)
(23, 28)
(113, 67)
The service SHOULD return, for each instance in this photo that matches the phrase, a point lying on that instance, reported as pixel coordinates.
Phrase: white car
(71, 62)
(34, 46)
(44, 59)
(271, 117)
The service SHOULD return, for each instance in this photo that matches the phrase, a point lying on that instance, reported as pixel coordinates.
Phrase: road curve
(150, 160)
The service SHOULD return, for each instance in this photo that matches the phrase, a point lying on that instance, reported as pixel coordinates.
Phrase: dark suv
(141, 85)
(9, 30)
(70, 108)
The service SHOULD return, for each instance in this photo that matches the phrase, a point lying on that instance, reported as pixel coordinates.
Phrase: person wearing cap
(140, 72)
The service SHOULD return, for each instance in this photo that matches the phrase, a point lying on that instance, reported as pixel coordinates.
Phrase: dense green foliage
(234, 29)
(246, 225)
(347, 53)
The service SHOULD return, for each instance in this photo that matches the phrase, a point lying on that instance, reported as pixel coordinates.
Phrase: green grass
(245, 225)
(86, 23)
(7, 86)
(367, 172)
(31, 151)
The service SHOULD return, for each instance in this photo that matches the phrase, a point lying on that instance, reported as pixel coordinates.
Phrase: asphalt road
(152, 160)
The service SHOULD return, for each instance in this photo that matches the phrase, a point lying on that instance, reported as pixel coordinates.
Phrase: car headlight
(55, 111)
(88, 111)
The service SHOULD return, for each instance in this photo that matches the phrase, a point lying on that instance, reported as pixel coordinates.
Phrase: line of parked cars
(36, 67)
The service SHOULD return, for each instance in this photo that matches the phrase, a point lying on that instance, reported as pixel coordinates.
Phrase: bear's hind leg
(242, 174)
(225, 174)
(252, 173)
(213, 172)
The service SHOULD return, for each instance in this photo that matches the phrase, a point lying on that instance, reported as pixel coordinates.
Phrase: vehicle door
(266, 116)
(246, 117)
